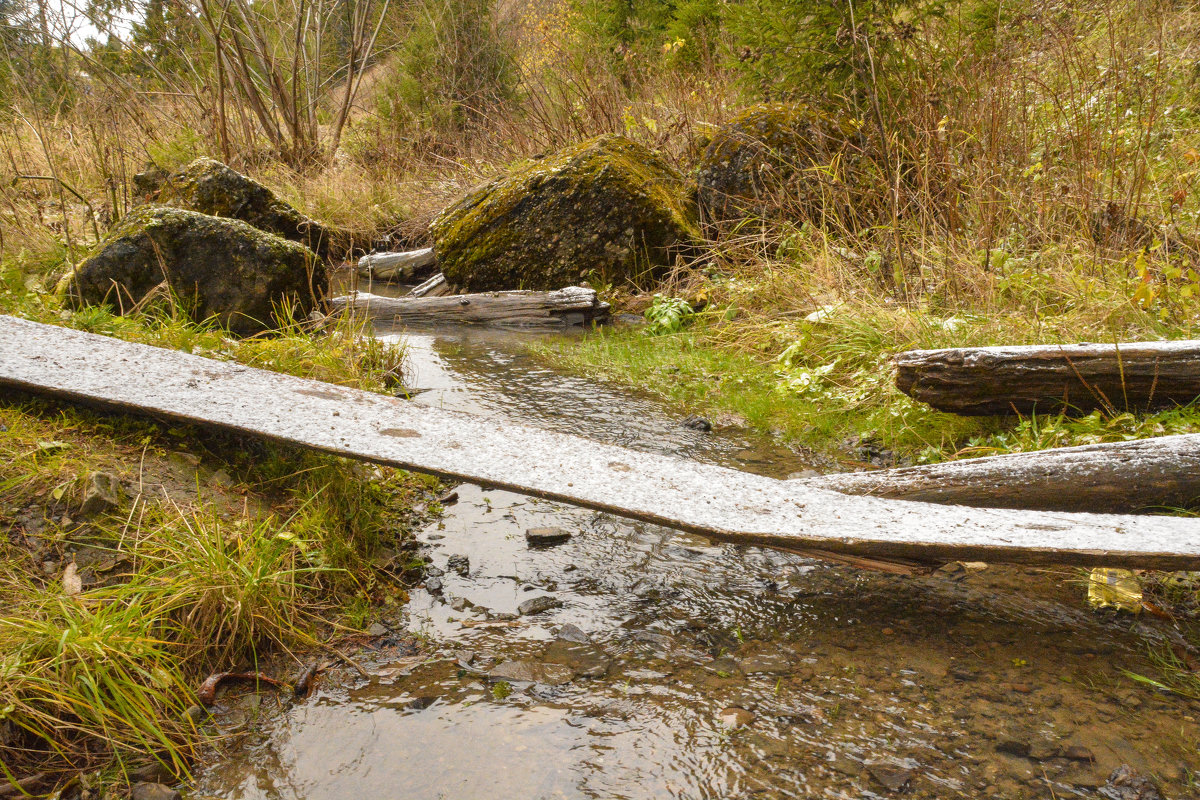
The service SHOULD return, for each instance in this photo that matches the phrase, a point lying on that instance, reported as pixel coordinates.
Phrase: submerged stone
(216, 267)
(607, 210)
(210, 187)
(777, 159)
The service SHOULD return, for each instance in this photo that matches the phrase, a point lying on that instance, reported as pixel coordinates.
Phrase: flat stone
(547, 537)
(735, 717)
(377, 629)
(889, 776)
(571, 633)
(527, 671)
(585, 659)
(433, 585)
(768, 660)
(153, 791)
(102, 492)
(536, 605)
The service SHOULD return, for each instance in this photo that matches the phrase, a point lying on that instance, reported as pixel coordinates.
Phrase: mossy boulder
(212, 188)
(217, 267)
(607, 209)
(781, 160)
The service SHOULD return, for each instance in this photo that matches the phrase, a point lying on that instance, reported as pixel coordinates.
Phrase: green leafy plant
(667, 315)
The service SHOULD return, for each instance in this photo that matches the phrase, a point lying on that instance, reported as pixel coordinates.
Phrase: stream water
(673, 667)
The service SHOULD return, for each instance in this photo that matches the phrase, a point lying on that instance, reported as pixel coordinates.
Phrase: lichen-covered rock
(210, 187)
(215, 266)
(775, 159)
(607, 209)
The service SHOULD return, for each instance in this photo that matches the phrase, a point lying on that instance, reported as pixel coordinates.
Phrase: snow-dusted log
(573, 305)
(1050, 378)
(397, 266)
(717, 502)
(1119, 477)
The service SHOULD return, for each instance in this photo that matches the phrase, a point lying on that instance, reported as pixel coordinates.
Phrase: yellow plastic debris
(1114, 588)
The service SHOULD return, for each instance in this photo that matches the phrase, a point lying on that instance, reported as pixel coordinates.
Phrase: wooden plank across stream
(717, 502)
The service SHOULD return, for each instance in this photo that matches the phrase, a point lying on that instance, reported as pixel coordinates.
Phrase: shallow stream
(672, 667)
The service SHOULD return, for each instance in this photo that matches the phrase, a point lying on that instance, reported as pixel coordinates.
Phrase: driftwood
(713, 501)
(573, 305)
(397, 266)
(1052, 378)
(1118, 477)
(437, 286)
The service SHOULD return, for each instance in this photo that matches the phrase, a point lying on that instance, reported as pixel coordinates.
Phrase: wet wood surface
(1077, 378)
(1118, 477)
(723, 504)
(521, 310)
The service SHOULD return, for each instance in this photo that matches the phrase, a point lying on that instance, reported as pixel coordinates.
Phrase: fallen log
(1077, 378)
(437, 286)
(563, 308)
(712, 501)
(1120, 477)
(397, 266)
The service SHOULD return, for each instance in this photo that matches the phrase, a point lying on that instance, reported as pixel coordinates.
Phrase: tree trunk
(721, 503)
(397, 266)
(573, 305)
(1120, 477)
(1079, 378)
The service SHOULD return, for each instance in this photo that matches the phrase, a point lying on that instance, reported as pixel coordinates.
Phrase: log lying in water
(1119, 477)
(1051, 378)
(712, 501)
(397, 266)
(563, 308)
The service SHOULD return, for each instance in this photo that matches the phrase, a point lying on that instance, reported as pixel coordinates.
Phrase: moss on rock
(210, 187)
(218, 267)
(607, 209)
(781, 160)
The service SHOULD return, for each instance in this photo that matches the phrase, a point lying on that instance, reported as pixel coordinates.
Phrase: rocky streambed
(601, 658)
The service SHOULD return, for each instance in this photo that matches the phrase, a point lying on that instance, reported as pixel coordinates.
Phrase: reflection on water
(700, 670)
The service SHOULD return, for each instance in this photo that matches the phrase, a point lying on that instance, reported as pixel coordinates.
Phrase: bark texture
(1079, 378)
(1120, 477)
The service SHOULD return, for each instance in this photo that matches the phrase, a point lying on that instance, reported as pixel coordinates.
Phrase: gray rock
(218, 267)
(536, 605)
(460, 564)
(585, 659)
(152, 791)
(889, 776)
(570, 633)
(547, 537)
(461, 604)
(525, 671)
(102, 492)
(697, 423)
(376, 630)
(433, 585)
(608, 208)
(210, 187)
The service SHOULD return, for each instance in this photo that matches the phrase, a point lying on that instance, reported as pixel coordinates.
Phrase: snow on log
(1078, 378)
(713, 501)
(574, 305)
(1118, 477)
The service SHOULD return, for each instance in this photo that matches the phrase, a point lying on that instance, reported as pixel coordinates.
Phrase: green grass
(828, 377)
(226, 551)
